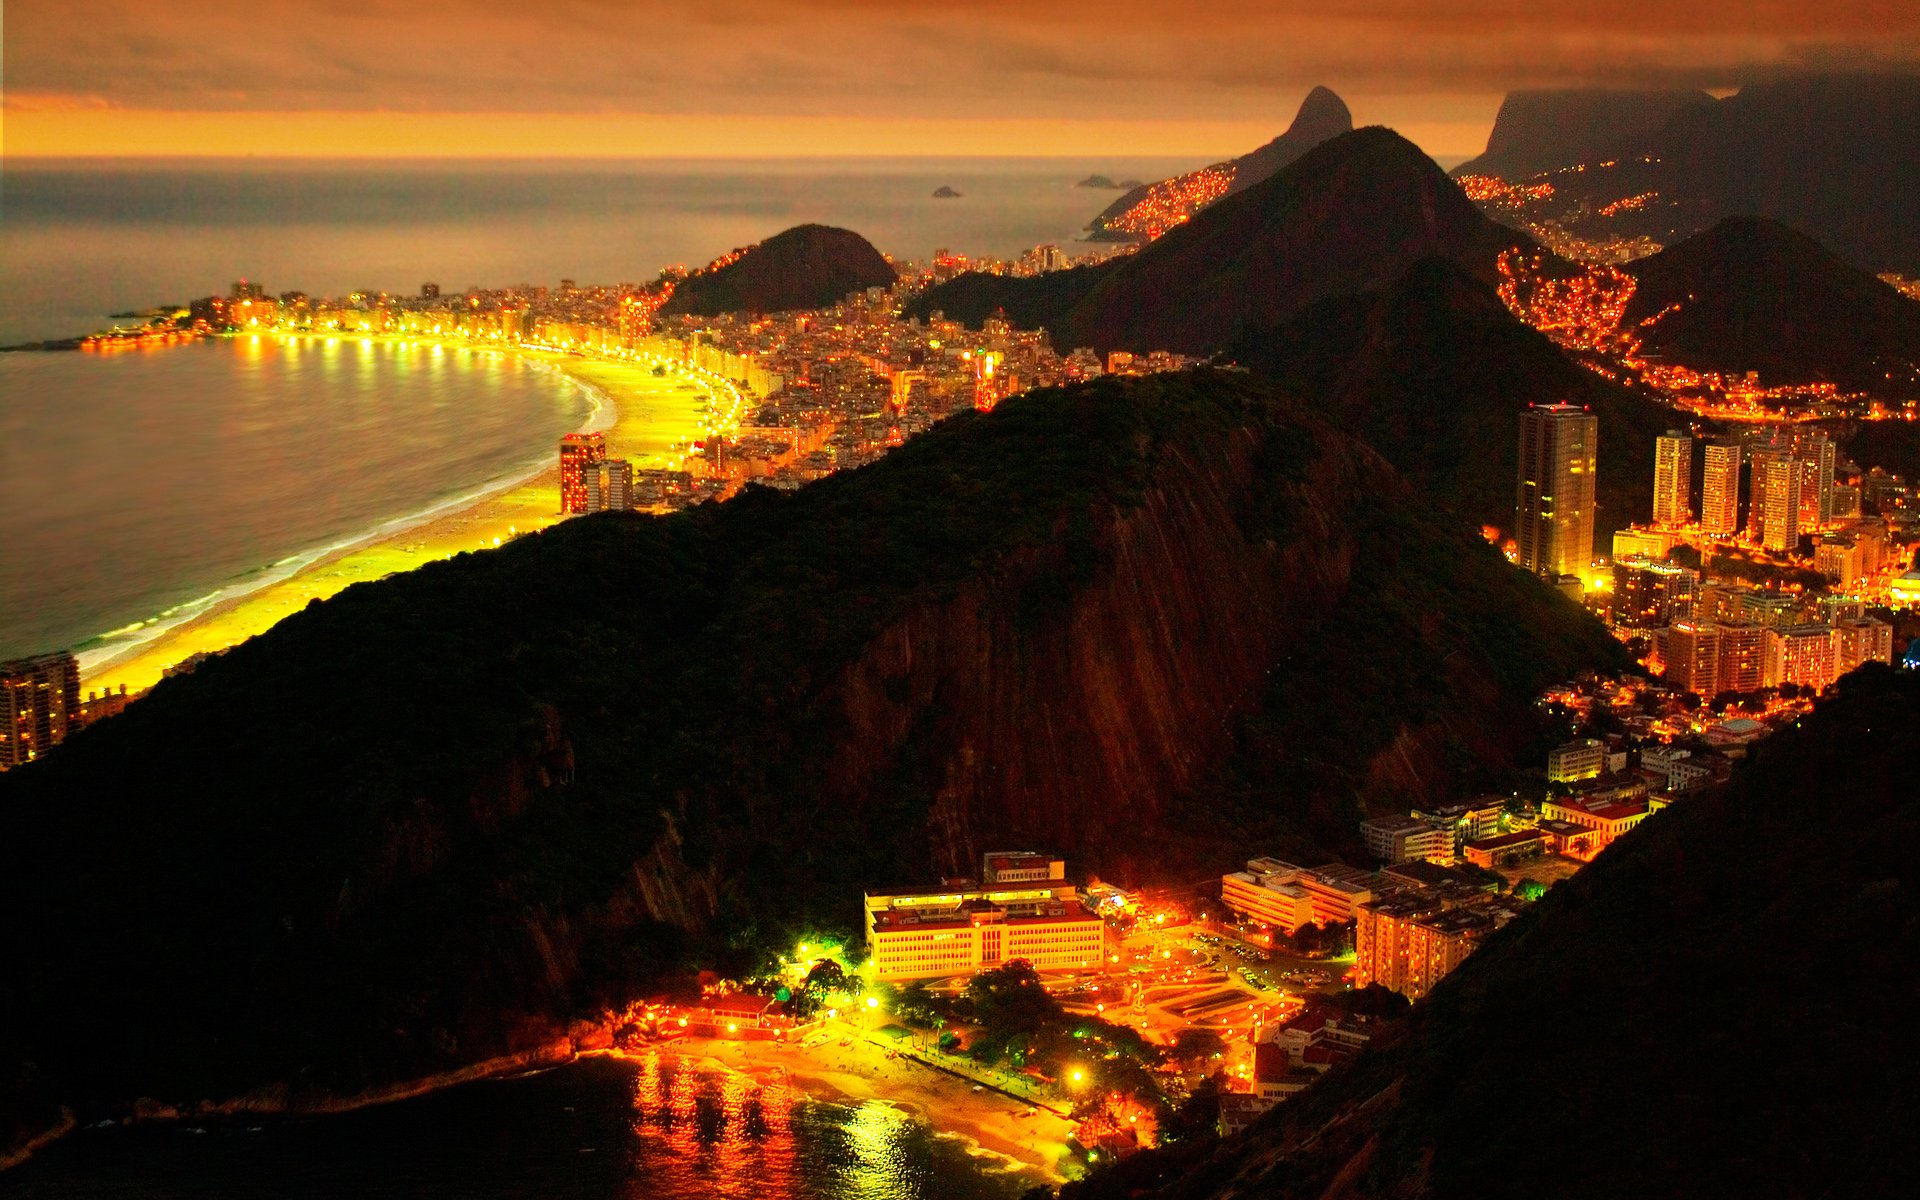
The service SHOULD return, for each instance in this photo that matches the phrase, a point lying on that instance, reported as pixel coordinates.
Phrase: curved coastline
(100, 654)
(513, 502)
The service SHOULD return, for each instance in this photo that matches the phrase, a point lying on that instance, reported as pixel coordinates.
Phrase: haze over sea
(132, 484)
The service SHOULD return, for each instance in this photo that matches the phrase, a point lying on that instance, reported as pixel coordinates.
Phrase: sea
(599, 1129)
(139, 488)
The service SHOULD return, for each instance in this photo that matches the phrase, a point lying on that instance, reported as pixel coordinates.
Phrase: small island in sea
(944, 192)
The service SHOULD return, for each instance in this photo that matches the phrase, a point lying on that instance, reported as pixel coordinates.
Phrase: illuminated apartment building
(1720, 490)
(39, 706)
(1554, 498)
(1693, 657)
(1816, 454)
(1021, 908)
(1802, 655)
(609, 485)
(1672, 478)
(1407, 944)
(1648, 594)
(1743, 656)
(577, 452)
(1777, 481)
(1861, 640)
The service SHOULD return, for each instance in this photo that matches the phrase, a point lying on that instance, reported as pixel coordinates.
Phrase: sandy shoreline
(854, 1074)
(642, 415)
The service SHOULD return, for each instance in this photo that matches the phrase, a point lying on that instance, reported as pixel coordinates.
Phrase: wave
(117, 645)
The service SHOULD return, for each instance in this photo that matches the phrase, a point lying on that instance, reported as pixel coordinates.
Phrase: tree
(1197, 1045)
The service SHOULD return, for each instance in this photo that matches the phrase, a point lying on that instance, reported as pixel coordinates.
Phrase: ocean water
(596, 1130)
(133, 484)
(82, 240)
(137, 487)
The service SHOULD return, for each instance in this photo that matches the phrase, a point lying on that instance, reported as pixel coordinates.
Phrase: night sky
(567, 77)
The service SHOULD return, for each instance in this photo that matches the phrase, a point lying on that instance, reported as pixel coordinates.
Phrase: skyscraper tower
(1554, 502)
(1777, 484)
(578, 451)
(1720, 490)
(1816, 453)
(1672, 478)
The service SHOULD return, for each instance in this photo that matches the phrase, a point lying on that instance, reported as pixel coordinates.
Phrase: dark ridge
(431, 820)
(1752, 295)
(1349, 216)
(1701, 1011)
(1543, 130)
(1433, 373)
(1321, 117)
(808, 266)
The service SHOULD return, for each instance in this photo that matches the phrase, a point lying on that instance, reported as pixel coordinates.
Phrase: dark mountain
(808, 266)
(1434, 371)
(1322, 116)
(1538, 131)
(1719, 1005)
(1149, 623)
(1752, 295)
(1350, 216)
(1836, 157)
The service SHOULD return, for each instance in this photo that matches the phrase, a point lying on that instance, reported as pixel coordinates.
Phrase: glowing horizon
(59, 130)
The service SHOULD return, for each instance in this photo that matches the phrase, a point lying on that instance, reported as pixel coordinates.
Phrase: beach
(860, 1071)
(643, 417)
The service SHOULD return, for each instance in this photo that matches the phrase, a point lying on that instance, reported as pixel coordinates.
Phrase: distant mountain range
(1700, 1012)
(1834, 156)
(807, 266)
(1349, 216)
(1540, 130)
(1322, 115)
(1750, 294)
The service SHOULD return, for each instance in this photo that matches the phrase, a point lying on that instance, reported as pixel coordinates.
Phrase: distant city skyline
(588, 78)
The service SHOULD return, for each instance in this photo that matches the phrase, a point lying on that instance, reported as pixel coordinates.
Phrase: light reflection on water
(649, 1128)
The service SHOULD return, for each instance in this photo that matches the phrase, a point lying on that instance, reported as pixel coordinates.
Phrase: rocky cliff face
(434, 820)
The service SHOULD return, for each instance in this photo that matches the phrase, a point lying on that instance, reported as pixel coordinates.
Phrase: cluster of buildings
(41, 704)
(1413, 918)
(1723, 635)
(1021, 906)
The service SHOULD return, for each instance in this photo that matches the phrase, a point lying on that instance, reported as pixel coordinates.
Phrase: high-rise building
(1554, 502)
(1801, 654)
(1777, 483)
(577, 452)
(1693, 657)
(609, 485)
(1648, 593)
(1861, 640)
(1720, 490)
(1816, 454)
(1672, 478)
(1743, 656)
(39, 706)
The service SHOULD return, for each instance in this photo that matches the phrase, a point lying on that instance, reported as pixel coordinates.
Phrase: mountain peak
(1322, 117)
(1323, 114)
(807, 266)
